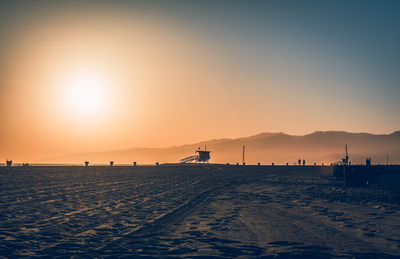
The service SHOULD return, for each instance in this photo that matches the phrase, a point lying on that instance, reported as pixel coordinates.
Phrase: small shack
(203, 156)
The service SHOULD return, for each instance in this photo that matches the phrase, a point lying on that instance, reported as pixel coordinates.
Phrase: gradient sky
(178, 72)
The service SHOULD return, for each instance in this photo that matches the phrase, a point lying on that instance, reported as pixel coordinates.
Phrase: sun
(86, 95)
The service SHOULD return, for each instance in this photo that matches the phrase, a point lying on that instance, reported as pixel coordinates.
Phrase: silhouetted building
(134, 163)
(111, 163)
(204, 156)
(86, 163)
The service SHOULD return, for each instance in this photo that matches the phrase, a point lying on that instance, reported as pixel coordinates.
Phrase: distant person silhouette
(368, 161)
(9, 162)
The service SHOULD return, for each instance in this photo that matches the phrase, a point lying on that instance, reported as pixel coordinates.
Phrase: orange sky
(162, 83)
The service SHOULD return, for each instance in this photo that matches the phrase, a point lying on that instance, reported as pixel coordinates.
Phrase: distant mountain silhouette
(266, 148)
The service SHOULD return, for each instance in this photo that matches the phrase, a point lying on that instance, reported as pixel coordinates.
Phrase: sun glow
(86, 95)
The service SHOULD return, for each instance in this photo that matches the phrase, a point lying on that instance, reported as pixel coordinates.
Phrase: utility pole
(387, 158)
(243, 153)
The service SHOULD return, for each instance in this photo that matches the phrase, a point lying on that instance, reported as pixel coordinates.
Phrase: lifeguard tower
(201, 156)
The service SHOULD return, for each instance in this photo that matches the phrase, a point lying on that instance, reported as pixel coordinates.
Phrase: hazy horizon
(266, 148)
(87, 76)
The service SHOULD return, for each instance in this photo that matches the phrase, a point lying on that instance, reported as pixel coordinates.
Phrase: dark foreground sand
(191, 211)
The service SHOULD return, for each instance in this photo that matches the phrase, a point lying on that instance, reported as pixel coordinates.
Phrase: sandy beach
(194, 211)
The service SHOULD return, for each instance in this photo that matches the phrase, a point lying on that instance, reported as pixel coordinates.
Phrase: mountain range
(265, 148)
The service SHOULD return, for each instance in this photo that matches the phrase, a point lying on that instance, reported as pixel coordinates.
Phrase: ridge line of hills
(266, 148)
